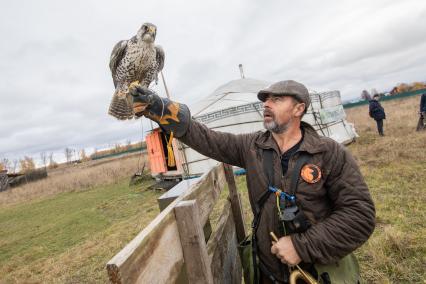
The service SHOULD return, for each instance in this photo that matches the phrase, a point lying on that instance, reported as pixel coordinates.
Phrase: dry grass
(401, 142)
(394, 167)
(74, 178)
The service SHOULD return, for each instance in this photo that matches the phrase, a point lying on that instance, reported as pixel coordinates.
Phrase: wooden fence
(173, 244)
(4, 181)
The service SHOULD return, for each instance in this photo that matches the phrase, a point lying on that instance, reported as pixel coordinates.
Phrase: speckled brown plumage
(137, 59)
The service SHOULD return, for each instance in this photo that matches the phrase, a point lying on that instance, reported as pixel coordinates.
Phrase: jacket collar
(311, 140)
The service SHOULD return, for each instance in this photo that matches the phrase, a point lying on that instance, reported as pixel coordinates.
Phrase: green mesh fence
(387, 98)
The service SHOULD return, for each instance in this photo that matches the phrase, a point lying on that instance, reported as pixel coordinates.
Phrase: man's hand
(142, 98)
(171, 116)
(285, 251)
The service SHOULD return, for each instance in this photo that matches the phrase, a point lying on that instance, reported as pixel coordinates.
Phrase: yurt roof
(233, 93)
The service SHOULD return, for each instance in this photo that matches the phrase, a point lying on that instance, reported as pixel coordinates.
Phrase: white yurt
(234, 107)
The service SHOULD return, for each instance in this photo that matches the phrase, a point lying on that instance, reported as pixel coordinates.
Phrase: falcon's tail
(120, 107)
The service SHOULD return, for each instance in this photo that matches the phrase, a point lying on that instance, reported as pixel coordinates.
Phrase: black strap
(303, 158)
(268, 165)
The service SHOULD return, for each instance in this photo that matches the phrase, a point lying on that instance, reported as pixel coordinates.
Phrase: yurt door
(156, 155)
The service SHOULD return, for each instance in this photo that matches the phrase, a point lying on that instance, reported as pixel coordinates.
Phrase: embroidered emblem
(310, 173)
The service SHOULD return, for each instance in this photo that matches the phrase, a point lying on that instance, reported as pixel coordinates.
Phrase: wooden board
(223, 250)
(157, 247)
(194, 248)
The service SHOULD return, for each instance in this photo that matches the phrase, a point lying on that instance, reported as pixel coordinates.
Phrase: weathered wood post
(194, 247)
(237, 211)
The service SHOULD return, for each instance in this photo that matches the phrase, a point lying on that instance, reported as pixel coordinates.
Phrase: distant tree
(52, 163)
(128, 145)
(417, 86)
(4, 164)
(27, 164)
(83, 156)
(117, 148)
(43, 158)
(403, 87)
(68, 154)
(365, 95)
(14, 165)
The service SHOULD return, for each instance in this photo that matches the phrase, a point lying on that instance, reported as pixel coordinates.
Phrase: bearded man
(305, 188)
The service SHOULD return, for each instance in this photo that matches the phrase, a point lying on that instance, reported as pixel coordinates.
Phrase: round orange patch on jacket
(310, 173)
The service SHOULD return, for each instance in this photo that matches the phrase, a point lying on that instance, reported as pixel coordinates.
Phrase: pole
(165, 86)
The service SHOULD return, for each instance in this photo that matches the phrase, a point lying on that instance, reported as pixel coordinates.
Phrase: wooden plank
(191, 235)
(223, 250)
(157, 247)
(237, 211)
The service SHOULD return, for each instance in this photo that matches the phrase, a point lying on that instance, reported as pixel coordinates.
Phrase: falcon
(134, 61)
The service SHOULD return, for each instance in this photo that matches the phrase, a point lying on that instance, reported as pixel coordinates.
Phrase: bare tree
(4, 164)
(52, 163)
(83, 156)
(68, 154)
(43, 158)
(14, 165)
(128, 144)
(27, 164)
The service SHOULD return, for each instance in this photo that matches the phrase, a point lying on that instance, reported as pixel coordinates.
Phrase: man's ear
(299, 109)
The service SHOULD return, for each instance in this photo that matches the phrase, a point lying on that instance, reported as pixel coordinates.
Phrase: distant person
(422, 112)
(377, 112)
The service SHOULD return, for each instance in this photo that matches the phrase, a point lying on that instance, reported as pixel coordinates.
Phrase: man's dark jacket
(376, 110)
(423, 103)
(339, 205)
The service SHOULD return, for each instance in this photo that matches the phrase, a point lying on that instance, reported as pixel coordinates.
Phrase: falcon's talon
(134, 84)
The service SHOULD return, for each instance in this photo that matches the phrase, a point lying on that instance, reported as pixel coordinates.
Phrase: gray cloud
(56, 85)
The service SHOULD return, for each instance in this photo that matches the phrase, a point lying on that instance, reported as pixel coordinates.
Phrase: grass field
(52, 233)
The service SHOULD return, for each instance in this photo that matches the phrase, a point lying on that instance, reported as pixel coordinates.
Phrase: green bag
(345, 271)
(246, 256)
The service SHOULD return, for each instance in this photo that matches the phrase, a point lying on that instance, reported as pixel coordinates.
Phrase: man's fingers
(274, 249)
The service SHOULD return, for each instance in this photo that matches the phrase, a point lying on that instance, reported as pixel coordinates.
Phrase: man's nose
(267, 103)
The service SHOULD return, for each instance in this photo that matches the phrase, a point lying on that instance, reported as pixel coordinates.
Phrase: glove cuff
(171, 116)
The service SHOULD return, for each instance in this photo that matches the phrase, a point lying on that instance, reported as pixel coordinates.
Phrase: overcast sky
(56, 85)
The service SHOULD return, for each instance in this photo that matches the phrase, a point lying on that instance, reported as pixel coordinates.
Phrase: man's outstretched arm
(175, 117)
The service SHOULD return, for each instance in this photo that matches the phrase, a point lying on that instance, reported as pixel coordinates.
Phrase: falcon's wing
(160, 57)
(118, 52)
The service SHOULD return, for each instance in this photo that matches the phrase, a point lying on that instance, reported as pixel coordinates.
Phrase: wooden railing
(173, 244)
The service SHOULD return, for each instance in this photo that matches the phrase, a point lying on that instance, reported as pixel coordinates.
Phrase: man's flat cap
(286, 88)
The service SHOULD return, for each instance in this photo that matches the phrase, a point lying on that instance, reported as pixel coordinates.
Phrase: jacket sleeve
(351, 221)
(221, 146)
(423, 103)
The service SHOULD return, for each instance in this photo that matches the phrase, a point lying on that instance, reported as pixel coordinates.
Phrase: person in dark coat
(422, 112)
(377, 112)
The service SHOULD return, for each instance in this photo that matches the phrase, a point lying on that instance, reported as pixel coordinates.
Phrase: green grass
(396, 252)
(34, 234)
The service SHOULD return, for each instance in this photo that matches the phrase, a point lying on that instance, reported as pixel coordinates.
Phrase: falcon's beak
(151, 30)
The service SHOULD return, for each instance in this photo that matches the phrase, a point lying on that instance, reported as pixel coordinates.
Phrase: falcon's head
(147, 32)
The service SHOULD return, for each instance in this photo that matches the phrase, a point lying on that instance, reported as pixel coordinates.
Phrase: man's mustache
(268, 112)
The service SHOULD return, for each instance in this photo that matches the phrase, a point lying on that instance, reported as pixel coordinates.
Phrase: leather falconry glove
(171, 116)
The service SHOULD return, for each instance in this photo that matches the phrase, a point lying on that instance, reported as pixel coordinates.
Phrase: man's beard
(273, 126)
